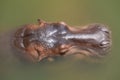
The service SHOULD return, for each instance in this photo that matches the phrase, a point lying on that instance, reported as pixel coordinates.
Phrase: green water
(74, 12)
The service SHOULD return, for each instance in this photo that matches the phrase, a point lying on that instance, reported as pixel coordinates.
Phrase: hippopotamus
(50, 39)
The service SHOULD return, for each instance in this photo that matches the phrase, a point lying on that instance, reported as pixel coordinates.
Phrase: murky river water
(14, 13)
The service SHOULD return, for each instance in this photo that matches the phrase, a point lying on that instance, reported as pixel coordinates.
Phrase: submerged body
(54, 39)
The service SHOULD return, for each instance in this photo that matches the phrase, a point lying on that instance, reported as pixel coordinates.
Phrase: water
(14, 13)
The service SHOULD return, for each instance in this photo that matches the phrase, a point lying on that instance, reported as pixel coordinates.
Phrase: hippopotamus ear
(41, 22)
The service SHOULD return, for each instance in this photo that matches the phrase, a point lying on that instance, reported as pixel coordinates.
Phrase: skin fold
(44, 40)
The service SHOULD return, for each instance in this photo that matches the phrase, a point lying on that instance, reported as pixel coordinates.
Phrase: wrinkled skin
(54, 39)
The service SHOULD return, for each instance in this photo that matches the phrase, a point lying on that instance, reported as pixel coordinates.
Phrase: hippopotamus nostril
(104, 44)
(104, 28)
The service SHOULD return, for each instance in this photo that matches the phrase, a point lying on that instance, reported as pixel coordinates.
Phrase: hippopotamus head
(43, 40)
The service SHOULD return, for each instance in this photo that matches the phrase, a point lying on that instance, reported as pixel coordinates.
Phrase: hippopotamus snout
(54, 39)
(94, 39)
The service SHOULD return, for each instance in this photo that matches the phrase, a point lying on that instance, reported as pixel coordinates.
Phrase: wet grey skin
(43, 40)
